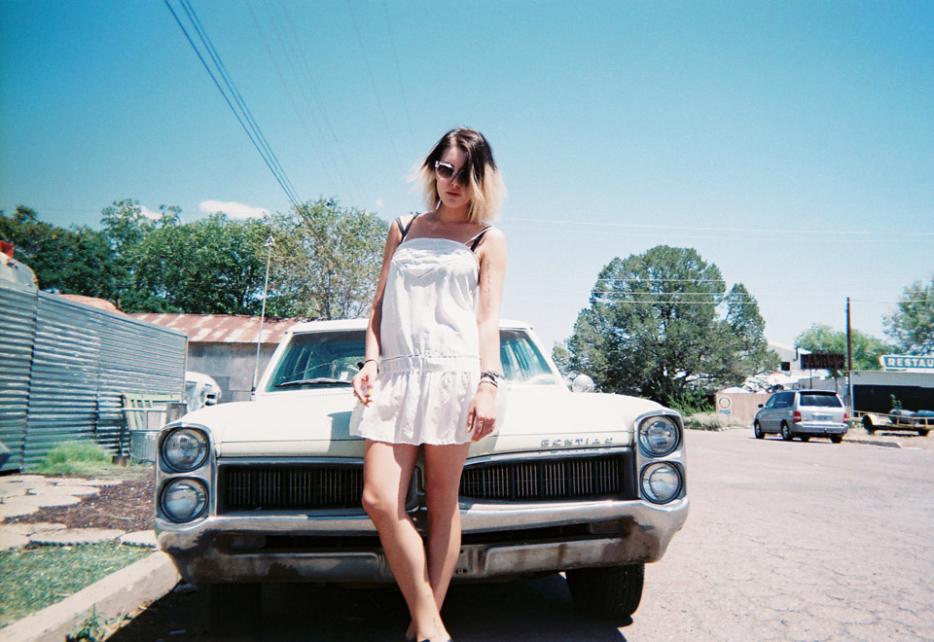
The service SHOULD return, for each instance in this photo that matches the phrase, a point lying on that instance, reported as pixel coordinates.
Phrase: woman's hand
(363, 383)
(482, 416)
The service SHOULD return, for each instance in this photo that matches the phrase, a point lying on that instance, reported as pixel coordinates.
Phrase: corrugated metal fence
(64, 365)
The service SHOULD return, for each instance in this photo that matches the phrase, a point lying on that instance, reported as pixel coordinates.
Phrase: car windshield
(331, 359)
(824, 400)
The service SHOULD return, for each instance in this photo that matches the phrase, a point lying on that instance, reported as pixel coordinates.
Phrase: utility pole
(849, 360)
(262, 316)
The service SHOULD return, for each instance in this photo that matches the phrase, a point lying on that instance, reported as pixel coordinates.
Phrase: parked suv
(804, 414)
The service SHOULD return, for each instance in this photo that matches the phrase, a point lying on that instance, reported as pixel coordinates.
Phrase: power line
(305, 70)
(325, 166)
(395, 58)
(228, 81)
(719, 229)
(723, 295)
(376, 94)
(639, 279)
(661, 302)
(253, 134)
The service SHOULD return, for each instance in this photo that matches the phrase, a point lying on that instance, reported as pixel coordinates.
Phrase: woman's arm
(482, 416)
(367, 374)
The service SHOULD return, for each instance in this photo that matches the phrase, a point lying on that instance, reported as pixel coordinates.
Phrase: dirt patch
(127, 506)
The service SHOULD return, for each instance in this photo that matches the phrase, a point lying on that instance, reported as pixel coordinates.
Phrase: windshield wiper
(302, 382)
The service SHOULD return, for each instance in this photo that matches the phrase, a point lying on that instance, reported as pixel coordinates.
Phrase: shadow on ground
(539, 610)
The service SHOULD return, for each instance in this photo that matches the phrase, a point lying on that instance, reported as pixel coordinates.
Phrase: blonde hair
(484, 181)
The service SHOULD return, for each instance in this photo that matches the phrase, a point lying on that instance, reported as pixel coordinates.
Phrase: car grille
(288, 487)
(552, 478)
(249, 487)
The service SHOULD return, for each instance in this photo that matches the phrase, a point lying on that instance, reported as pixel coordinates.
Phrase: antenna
(262, 315)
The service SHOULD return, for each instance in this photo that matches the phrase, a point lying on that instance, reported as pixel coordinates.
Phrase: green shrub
(84, 458)
(75, 451)
(702, 421)
(691, 404)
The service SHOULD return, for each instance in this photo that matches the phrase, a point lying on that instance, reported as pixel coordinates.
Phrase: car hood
(316, 422)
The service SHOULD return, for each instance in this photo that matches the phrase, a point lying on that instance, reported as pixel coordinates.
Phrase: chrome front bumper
(231, 548)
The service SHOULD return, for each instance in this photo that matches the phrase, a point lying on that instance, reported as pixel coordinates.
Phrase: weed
(84, 459)
(690, 404)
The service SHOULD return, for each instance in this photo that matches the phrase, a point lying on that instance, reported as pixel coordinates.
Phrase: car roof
(361, 324)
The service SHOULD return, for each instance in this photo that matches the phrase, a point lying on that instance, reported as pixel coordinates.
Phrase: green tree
(73, 261)
(660, 324)
(912, 323)
(125, 228)
(866, 348)
(326, 261)
(211, 266)
(562, 358)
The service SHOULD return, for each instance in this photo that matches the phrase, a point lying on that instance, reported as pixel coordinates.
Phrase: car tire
(757, 431)
(867, 424)
(836, 438)
(234, 609)
(923, 432)
(786, 432)
(805, 438)
(611, 592)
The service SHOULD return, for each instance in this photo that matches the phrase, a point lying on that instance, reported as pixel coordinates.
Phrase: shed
(224, 345)
(65, 366)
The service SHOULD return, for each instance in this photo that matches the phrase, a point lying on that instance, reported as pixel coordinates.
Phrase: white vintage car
(269, 490)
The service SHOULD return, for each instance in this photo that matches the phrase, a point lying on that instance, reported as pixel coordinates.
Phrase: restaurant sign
(924, 363)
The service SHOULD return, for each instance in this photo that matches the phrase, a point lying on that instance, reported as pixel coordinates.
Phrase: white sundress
(429, 368)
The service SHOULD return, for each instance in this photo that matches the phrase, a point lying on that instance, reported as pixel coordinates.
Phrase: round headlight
(658, 436)
(184, 499)
(661, 482)
(185, 449)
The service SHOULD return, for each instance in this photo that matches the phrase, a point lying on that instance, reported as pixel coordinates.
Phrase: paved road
(785, 541)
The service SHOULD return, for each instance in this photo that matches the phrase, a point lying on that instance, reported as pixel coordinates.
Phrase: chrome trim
(547, 454)
(194, 481)
(165, 460)
(650, 529)
(679, 436)
(678, 456)
(678, 470)
(206, 473)
(280, 460)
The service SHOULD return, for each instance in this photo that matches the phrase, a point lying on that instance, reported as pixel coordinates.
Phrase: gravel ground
(127, 506)
(785, 541)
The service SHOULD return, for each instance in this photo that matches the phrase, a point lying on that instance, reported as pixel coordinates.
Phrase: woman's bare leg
(387, 470)
(443, 467)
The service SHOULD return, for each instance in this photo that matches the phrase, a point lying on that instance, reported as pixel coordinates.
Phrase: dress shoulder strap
(405, 230)
(475, 240)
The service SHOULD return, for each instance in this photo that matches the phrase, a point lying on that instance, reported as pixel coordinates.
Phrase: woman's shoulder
(494, 231)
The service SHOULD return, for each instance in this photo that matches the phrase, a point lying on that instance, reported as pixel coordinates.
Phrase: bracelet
(375, 361)
(489, 381)
(492, 375)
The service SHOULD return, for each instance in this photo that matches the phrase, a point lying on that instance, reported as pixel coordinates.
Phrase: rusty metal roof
(221, 328)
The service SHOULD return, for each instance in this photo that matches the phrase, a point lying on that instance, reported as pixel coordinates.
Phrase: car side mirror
(582, 383)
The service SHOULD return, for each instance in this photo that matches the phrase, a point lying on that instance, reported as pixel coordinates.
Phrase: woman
(432, 366)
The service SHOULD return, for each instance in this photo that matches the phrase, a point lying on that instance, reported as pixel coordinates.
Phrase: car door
(779, 403)
(786, 406)
(765, 414)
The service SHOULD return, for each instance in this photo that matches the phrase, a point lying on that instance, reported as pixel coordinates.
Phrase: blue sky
(789, 143)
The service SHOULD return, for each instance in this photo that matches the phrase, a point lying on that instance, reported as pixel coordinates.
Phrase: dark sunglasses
(448, 172)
